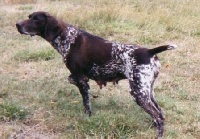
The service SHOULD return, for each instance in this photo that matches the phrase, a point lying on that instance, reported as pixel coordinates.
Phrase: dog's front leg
(83, 88)
(82, 83)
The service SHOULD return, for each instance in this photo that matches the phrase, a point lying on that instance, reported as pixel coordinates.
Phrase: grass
(11, 112)
(36, 98)
(27, 56)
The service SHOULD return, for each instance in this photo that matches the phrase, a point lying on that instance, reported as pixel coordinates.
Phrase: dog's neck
(63, 42)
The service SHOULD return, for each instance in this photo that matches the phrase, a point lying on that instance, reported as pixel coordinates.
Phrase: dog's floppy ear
(52, 28)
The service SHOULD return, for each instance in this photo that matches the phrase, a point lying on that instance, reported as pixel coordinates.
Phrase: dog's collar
(62, 43)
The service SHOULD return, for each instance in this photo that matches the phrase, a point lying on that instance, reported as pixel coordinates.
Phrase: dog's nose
(18, 26)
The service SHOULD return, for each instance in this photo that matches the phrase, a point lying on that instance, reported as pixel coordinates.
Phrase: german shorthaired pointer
(91, 57)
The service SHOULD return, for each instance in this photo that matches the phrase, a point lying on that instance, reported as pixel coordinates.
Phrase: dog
(91, 57)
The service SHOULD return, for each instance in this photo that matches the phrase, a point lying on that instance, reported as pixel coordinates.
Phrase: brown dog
(91, 57)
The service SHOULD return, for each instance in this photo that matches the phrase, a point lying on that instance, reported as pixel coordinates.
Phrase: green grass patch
(27, 56)
(105, 126)
(11, 111)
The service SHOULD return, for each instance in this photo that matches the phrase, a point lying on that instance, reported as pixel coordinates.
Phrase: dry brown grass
(11, 2)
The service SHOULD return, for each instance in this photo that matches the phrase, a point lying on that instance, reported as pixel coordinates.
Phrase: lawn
(37, 101)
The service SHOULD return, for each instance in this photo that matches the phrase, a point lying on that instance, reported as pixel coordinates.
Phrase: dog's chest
(62, 45)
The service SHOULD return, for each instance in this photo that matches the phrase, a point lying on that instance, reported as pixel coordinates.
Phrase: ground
(37, 101)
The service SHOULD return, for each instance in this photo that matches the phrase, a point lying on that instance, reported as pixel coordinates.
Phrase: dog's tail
(160, 49)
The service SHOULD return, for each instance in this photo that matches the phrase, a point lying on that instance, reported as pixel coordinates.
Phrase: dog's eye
(35, 18)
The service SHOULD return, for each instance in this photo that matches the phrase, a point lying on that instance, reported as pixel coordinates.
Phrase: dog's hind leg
(82, 83)
(156, 70)
(153, 98)
(142, 94)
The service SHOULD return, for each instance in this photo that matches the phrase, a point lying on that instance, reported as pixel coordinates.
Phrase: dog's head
(42, 24)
